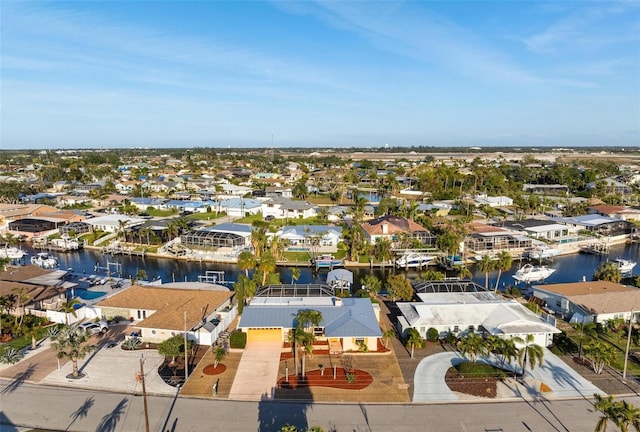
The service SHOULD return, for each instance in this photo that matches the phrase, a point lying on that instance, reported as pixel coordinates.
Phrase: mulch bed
(214, 370)
(174, 374)
(483, 387)
(314, 378)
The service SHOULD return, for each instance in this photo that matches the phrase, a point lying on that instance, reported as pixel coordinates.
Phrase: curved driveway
(429, 384)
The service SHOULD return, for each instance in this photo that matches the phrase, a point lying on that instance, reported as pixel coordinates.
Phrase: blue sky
(328, 74)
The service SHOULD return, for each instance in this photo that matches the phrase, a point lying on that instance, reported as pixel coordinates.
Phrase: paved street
(80, 410)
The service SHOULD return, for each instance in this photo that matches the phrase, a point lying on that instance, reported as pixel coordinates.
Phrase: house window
(471, 329)
(359, 341)
(456, 329)
(318, 331)
(139, 315)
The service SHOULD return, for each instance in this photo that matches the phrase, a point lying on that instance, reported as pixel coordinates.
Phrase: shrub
(238, 340)
(433, 335)
(351, 378)
(132, 343)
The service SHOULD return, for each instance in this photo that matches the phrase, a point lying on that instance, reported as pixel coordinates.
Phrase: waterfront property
(548, 230)
(347, 324)
(596, 301)
(226, 235)
(465, 309)
(484, 238)
(391, 227)
(160, 312)
(324, 238)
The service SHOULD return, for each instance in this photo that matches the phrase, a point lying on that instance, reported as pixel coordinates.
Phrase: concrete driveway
(257, 372)
(564, 382)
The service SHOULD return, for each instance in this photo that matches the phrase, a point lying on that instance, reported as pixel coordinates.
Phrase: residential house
(113, 223)
(616, 212)
(590, 301)
(347, 323)
(497, 201)
(323, 237)
(487, 239)
(160, 312)
(281, 208)
(549, 230)
(142, 204)
(391, 227)
(45, 290)
(546, 189)
(612, 186)
(600, 225)
(481, 312)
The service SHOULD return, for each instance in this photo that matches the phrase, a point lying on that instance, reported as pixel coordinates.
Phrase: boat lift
(213, 277)
(116, 266)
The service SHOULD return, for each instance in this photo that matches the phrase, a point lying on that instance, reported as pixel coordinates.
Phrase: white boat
(327, 261)
(543, 253)
(529, 273)
(625, 266)
(450, 262)
(44, 260)
(414, 260)
(12, 253)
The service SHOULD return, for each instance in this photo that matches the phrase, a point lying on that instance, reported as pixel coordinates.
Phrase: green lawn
(159, 213)
(206, 216)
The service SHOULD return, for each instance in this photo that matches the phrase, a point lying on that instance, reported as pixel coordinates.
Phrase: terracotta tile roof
(169, 304)
(476, 227)
(608, 209)
(395, 225)
(585, 288)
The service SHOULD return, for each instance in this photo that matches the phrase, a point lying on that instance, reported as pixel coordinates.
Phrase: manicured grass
(297, 256)
(206, 216)
(160, 213)
(479, 370)
(22, 342)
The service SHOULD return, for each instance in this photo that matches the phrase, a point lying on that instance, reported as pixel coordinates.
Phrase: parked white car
(95, 327)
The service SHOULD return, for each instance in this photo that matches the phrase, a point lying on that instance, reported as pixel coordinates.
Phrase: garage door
(264, 335)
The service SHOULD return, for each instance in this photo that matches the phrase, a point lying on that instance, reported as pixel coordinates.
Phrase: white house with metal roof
(305, 235)
(346, 324)
(485, 313)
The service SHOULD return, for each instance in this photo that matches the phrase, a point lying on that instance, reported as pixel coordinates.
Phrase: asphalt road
(53, 408)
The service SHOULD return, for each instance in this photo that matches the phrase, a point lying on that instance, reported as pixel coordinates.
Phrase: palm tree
(266, 265)
(414, 340)
(386, 335)
(21, 296)
(70, 343)
(472, 346)
(464, 272)
(244, 289)
(486, 265)
(371, 283)
(608, 271)
(432, 275)
(69, 307)
(219, 353)
(505, 349)
(504, 263)
(141, 275)
(305, 320)
(530, 352)
(383, 250)
(588, 330)
(607, 407)
(246, 262)
(601, 354)
(295, 274)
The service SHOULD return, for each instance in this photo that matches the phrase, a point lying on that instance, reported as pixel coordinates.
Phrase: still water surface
(570, 268)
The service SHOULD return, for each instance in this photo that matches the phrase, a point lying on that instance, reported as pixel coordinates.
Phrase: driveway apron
(257, 372)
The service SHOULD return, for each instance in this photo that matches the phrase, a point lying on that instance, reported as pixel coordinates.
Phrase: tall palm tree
(414, 340)
(21, 296)
(504, 263)
(505, 349)
(266, 265)
(244, 289)
(486, 265)
(383, 250)
(531, 353)
(246, 262)
(588, 330)
(303, 339)
(70, 343)
(608, 271)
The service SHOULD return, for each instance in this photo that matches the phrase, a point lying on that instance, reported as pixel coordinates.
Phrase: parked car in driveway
(95, 327)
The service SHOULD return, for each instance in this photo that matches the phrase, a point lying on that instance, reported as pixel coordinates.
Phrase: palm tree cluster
(487, 264)
(621, 413)
(474, 346)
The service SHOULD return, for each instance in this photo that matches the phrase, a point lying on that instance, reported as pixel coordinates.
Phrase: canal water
(569, 268)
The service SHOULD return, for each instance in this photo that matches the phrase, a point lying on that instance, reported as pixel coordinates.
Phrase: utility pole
(626, 353)
(186, 359)
(144, 395)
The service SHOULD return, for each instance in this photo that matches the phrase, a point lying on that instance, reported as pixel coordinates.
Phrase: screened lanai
(209, 238)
